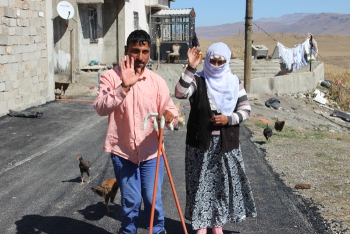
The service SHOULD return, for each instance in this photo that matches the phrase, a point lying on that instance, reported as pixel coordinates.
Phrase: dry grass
(324, 166)
(333, 50)
(340, 91)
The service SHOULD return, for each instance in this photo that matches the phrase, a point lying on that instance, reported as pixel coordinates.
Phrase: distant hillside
(286, 19)
(332, 48)
(318, 24)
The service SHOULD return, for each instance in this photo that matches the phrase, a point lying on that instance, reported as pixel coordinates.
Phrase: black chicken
(267, 132)
(108, 190)
(279, 125)
(84, 166)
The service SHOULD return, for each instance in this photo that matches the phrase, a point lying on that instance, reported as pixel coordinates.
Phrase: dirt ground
(311, 149)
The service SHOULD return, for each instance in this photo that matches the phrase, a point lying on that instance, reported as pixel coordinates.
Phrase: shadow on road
(98, 211)
(76, 180)
(30, 224)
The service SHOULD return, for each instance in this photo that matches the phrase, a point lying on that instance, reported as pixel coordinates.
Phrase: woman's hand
(219, 120)
(194, 56)
(129, 78)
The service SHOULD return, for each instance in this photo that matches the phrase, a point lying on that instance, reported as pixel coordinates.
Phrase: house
(26, 68)
(39, 47)
(95, 37)
(172, 27)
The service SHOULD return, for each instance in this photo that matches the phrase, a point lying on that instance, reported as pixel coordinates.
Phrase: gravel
(312, 149)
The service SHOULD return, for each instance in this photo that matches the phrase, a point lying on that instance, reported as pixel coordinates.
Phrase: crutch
(161, 150)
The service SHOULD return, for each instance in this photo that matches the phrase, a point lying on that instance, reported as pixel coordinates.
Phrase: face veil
(222, 85)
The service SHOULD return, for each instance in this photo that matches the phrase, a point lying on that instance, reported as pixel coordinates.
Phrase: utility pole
(248, 44)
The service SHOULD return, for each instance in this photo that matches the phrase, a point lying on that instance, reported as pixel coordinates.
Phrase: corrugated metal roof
(185, 11)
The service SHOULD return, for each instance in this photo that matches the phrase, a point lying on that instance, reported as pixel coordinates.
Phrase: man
(127, 94)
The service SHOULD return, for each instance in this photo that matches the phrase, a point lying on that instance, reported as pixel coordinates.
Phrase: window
(93, 28)
(136, 20)
(93, 24)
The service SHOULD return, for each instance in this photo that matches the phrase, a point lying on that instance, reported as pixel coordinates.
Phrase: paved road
(40, 190)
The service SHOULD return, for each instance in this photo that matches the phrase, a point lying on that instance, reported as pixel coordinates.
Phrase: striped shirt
(187, 85)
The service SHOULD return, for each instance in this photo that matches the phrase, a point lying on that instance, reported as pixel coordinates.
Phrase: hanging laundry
(310, 47)
(298, 56)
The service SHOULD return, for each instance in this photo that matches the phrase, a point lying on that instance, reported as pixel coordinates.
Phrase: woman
(217, 188)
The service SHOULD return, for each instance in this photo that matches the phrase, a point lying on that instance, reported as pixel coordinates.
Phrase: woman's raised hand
(194, 56)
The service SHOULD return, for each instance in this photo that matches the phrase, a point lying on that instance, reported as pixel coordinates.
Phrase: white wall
(130, 7)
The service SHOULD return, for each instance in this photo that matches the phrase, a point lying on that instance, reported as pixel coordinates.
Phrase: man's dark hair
(140, 36)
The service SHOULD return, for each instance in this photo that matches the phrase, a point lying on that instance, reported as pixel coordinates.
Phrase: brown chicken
(108, 190)
(279, 125)
(267, 132)
(182, 118)
(84, 166)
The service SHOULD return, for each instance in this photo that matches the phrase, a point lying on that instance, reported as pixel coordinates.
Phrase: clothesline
(298, 56)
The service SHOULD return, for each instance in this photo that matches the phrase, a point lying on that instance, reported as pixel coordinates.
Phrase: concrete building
(26, 68)
(95, 36)
(40, 49)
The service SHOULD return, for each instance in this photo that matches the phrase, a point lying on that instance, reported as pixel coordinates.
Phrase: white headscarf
(222, 85)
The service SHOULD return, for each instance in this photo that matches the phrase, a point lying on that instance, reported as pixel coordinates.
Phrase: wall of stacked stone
(24, 72)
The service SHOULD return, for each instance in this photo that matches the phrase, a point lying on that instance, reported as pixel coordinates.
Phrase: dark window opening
(93, 24)
(136, 20)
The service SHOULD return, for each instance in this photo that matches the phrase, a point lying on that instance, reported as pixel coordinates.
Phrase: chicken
(84, 166)
(182, 121)
(267, 132)
(108, 190)
(279, 125)
(178, 105)
(182, 118)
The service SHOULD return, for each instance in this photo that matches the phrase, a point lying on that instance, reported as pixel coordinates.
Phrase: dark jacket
(199, 127)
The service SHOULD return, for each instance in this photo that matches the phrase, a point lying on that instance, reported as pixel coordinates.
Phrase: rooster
(108, 190)
(279, 125)
(267, 132)
(84, 166)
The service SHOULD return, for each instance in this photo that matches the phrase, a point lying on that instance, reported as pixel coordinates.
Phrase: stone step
(256, 74)
(257, 65)
(256, 61)
(240, 68)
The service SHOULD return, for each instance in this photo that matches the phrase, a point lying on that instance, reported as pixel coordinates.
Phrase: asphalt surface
(40, 179)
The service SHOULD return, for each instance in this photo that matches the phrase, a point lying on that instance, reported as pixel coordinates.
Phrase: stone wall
(24, 57)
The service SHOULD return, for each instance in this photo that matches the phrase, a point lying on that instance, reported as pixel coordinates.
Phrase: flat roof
(163, 12)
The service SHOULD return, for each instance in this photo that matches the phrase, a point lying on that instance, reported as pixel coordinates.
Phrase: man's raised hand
(129, 78)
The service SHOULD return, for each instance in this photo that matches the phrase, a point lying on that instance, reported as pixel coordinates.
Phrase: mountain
(286, 19)
(318, 24)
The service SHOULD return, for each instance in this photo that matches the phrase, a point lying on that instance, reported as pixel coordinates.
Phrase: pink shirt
(126, 112)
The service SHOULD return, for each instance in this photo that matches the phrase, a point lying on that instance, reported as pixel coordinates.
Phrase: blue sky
(210, 13)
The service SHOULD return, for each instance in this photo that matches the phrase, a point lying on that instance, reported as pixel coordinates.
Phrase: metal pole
(72, 52)
(311, 47)
(248, 44)
(150, 10)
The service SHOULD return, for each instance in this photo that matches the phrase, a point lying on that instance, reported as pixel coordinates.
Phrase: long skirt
(217, 188)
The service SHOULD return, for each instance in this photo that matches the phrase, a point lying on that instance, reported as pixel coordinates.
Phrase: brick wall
(24, 72)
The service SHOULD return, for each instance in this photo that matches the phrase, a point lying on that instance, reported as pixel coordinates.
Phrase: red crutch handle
(160, 146)
(161, 149)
